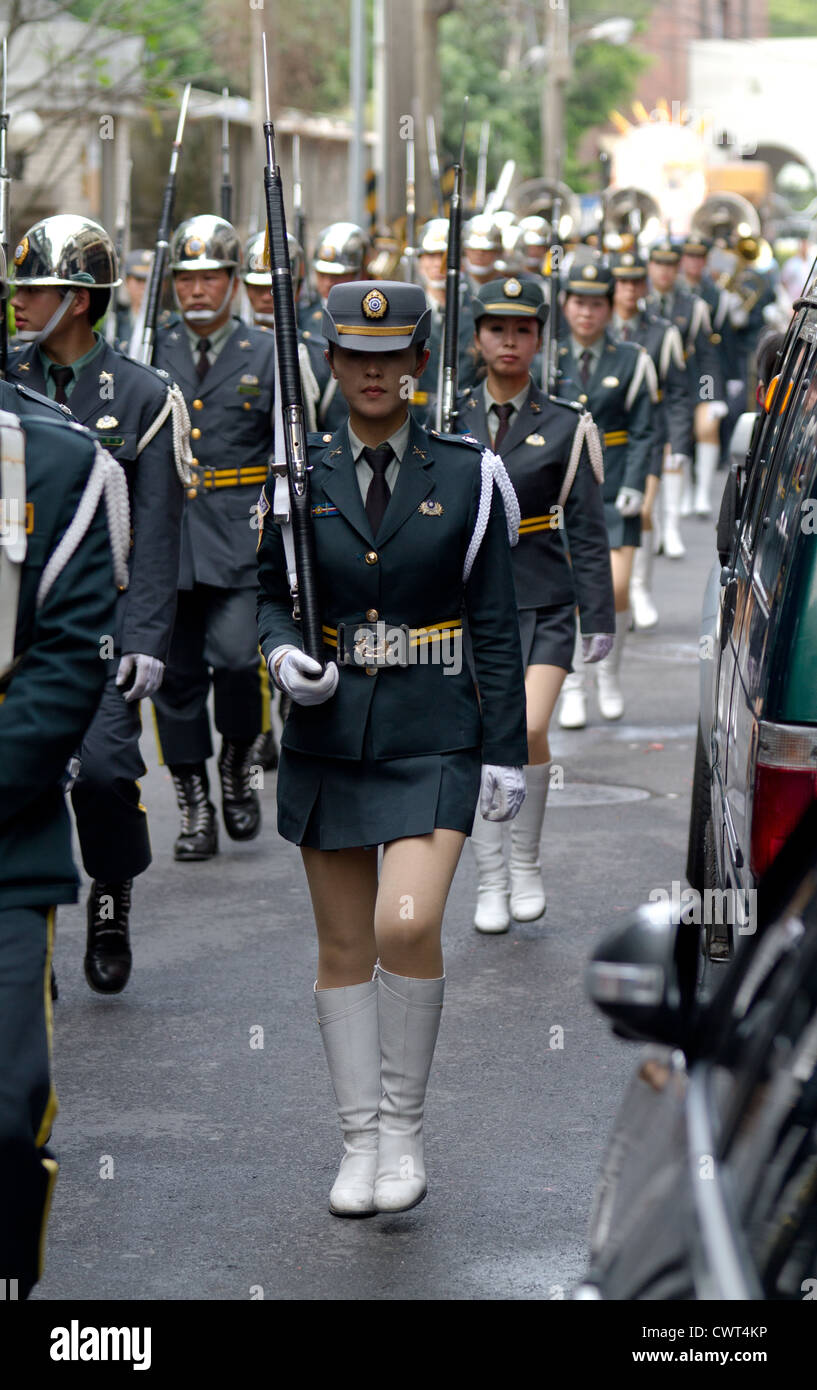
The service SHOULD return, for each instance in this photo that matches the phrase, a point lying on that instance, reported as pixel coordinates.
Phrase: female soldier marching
(389, 744)
(550, 449)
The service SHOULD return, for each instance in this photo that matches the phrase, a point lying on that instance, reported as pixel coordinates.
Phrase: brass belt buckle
(378, 644)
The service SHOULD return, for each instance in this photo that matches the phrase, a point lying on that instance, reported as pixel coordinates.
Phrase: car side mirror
(642, 975)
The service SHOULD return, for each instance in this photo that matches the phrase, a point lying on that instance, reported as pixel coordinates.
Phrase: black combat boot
(198, 838)
(107, 953)
(239, 803)
(264, 752)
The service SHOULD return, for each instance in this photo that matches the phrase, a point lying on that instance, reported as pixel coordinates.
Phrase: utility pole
(556, 77)
(357, 92)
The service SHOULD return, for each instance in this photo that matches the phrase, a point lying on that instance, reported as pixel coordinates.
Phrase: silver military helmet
(341, 249)
(205, 242)
(255, 269)
(64, 252)
(512, 258)
(433, 241)
(482, 233)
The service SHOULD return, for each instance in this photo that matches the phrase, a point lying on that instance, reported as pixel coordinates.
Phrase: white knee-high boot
(672, 487)
(487, 839)
(707, 458)
(645, 613)
(527, 890)
(611, 702)
(573, 700)
(409, 1013)
(348, 1019)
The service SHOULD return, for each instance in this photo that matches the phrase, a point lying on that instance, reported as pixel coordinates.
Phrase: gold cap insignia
(107, 422)
(628, 260)
(21, 252)
(589, 272)
(194, 246)
(512, 288)
(374, 304)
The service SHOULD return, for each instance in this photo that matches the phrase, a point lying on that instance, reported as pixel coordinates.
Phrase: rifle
(5, 185)
(434, 163)
(604, 169)
(550, 344)
(143, 350)
(447, 401)
(298, 194)
(411, 252)
(299, 544)
(120, 240)
(226, 186)
(482, 166)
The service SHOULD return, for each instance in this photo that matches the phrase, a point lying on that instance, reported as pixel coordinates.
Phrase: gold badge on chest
(429, 508)
(610, 381)
(537, 440)
(107, 422)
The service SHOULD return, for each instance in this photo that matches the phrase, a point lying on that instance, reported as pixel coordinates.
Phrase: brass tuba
(631, 215)
(538, 197)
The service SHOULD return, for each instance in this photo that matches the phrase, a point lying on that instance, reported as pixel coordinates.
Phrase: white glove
(597, 646)
(679, 462)
(629, 501)
(149, 675)
(735, 388)
(502, 793)
(300, 677)
(718, 409)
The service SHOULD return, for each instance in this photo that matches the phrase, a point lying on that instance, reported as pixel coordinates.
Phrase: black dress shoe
(264, 752)
(239, 802)
(107, 953)
(198, 838)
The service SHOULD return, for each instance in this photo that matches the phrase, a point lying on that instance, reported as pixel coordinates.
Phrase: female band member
(389, 744)
(549, 448)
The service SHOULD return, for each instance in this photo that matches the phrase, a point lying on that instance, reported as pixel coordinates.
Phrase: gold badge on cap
(327, 252)
(194, 246)
(107, 422)
(512, 288)
(628, 259)
(374, 304)
(589, 272)
(21, 252)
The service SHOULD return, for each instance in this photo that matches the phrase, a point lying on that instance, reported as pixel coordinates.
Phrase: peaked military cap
(138, 263)
(665, 252)
(510, 297)
(626, 265)
(376, 316)
(694, 244)
(592, 278)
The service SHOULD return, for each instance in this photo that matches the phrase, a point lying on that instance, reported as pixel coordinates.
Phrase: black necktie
(61, 377)
(585, 363)
(377, 497)
(202, 364)
(625, 332)
(666, 311)
(504, 412)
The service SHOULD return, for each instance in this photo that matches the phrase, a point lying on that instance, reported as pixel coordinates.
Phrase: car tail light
(785, 786)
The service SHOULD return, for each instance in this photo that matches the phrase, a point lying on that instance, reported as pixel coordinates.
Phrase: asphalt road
(196, 1165)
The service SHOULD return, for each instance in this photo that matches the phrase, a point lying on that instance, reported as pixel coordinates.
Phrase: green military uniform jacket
(51, 695)
(410, 574)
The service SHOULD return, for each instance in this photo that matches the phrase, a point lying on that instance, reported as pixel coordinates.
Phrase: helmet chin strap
(206, 316)
(267, 319)
(432, 282)
(40, 335)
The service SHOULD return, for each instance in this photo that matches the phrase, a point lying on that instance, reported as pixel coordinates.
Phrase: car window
(769, 456)
(782, 508)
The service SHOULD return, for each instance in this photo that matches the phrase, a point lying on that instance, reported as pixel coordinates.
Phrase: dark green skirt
(343, 803)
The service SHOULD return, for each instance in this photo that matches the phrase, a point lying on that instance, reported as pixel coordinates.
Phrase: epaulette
(315, 439)
(63, 411)
(469, 439)
(571, 405)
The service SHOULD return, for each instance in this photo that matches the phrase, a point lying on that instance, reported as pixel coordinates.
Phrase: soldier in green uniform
(553, 456)
(633, 321)
(136, 271)
(612, 379)
(226, 370)
(57, 602)
(389, 744)
(65, 271)
(340, 258)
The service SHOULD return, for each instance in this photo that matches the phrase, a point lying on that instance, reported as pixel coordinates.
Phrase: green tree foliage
(792, 19)
(486, 51)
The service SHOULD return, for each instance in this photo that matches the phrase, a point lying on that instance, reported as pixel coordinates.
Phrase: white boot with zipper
(528, 900)
(573, 698)
(645, 613)
(409, 1012)
(672, 486)
(350, 1031)
(611, 701)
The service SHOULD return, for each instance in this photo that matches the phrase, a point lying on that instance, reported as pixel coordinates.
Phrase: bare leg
(621, 561)
(343, 888)
(542, 687)
(411, 897)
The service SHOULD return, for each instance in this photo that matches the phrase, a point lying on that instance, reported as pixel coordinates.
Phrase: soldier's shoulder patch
(263, 501)
(47, 404)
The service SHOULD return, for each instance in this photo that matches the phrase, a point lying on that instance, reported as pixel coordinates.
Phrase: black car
(756, 758)
(709, 1186)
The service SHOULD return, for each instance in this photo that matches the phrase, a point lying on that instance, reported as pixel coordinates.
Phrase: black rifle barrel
(298, 194)
(305, 600)
(226, 186)
(153, 293)
(448, 402)
(554, 260)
